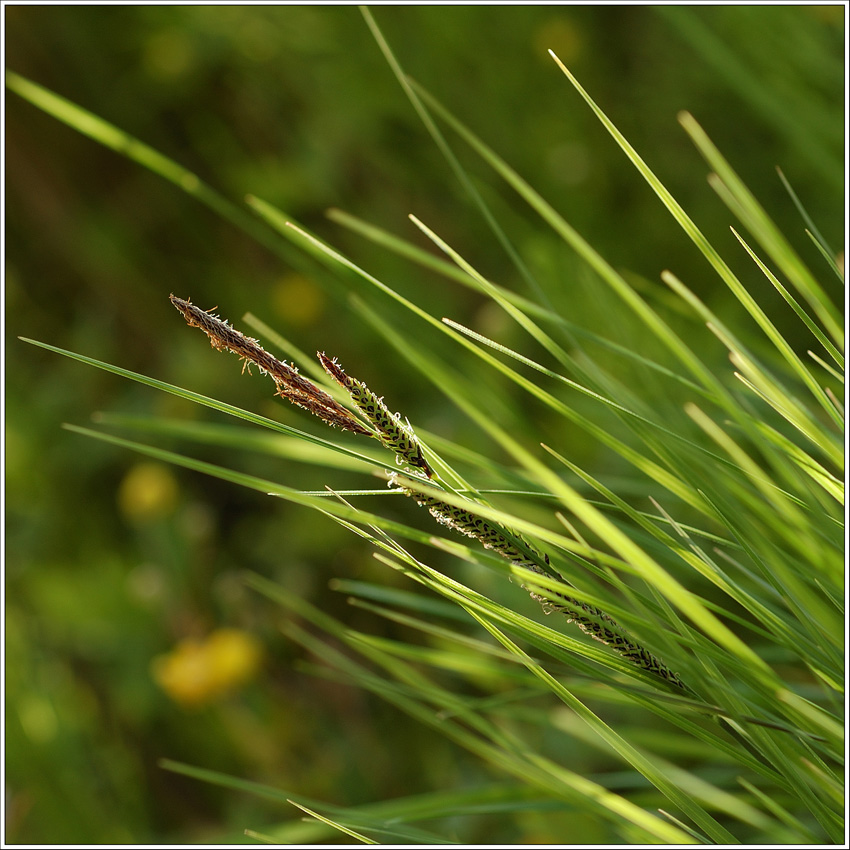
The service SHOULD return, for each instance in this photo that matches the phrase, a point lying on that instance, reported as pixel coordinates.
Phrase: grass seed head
(396, 435)
(290, 384)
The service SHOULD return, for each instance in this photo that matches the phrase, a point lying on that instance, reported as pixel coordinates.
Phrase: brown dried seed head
(333, 369)
(290, 384)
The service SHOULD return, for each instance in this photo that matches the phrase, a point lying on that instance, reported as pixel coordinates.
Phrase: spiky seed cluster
(290, 384)
(594, 626)
(392, 432)
(492, 537)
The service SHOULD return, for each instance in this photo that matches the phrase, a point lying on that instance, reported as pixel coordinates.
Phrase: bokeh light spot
(148, 492)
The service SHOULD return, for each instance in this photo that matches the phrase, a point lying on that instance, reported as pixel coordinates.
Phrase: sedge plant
(711, 587)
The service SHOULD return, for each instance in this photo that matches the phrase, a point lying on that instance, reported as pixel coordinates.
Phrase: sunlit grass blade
(786, 405)
(589, 372)
(825, 649)
(594, 519)
(788, 509)
(669, 433)
(813, 717)
(450, 270)
(785, 349)
(700, 563)
(428, 260)
(461, 394)
(471, 647)
(780, 397)
(825, 479)
(777, 247)
(206, 401)
(606, 272)
(639, 460)
(839, 376)
(635, 557)
(335, 824)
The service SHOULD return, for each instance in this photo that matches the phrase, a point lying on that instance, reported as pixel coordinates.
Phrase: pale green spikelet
(396, 435)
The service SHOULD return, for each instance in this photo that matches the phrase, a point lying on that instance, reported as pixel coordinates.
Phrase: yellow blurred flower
(298, 299)
(148, 492)
(562, 35)
(169, 53)
(200, 671)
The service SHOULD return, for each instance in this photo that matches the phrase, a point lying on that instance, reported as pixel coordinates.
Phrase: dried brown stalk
(290, 384)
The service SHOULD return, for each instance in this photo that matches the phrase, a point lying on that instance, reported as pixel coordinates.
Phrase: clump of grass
(588, 618)
(731, 571)
(400, 438)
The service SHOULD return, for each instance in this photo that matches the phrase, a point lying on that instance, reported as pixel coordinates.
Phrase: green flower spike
(392, 432)
(598, 624)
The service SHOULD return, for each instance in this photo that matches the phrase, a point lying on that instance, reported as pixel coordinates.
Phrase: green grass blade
(780, 398)
(812, 227)
(639, 460)
(482, 737)
(666, 432)
(454, 163)
(766, 232)
(206, 401)
(335, 824)
(776, 245)
(606, 272)
(778, 340)
(126, 145)
(839, 273)
(496, 798)
(450, 270)
(272, 488)
(644, 764)
(240, 438)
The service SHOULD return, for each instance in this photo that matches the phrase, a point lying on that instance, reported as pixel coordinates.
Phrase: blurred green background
(117, 568)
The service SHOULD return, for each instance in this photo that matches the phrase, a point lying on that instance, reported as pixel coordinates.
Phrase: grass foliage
(717, 546)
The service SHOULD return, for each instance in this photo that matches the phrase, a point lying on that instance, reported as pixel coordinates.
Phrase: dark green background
(295, 104)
